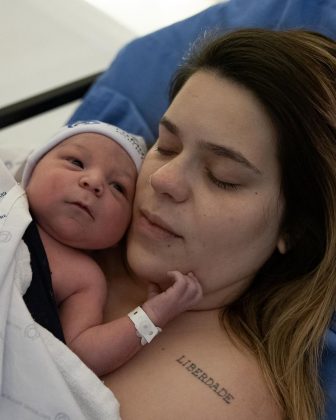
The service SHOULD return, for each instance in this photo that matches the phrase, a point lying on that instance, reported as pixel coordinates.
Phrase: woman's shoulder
(193, 371)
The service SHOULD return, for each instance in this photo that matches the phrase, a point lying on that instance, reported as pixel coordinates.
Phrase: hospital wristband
(145, 329)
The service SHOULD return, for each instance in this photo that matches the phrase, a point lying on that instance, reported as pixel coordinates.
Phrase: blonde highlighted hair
(285, 313)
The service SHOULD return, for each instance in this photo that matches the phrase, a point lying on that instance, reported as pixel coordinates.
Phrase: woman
(239, 189)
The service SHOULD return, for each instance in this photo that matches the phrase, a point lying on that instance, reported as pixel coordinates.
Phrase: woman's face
(208, 197)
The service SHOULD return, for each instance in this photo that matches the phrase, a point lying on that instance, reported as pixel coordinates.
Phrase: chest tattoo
(207, 380)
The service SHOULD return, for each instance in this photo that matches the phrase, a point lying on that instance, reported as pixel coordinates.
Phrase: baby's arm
(105, 347)
(102, 347)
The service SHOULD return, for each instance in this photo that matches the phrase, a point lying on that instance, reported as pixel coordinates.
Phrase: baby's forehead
(80, 140)
(68, 142)
(83, 143)
(89, 143)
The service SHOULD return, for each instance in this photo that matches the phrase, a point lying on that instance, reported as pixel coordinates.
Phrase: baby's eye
(118, 187)
(77, 162)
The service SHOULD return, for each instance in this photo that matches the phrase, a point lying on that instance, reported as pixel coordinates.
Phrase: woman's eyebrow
(230, 153)
(216, 149)
(169, 126)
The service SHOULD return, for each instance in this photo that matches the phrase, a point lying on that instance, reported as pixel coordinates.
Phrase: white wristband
(146, 330)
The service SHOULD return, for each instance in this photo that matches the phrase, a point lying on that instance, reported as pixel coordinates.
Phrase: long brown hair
(284, 315)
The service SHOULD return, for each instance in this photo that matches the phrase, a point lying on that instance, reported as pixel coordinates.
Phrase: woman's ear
(288, 240)
(282, 244)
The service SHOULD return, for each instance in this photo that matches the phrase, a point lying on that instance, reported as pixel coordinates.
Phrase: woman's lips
(155, 226)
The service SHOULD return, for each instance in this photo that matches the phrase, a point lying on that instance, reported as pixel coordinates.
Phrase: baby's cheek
(118, 223)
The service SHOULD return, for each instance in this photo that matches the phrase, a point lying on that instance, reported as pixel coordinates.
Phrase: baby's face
(81, 192)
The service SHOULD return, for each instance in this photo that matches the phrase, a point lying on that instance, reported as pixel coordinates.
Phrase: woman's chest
(188, 375)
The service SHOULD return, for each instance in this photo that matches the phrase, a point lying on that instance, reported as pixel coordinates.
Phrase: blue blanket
(133, 92)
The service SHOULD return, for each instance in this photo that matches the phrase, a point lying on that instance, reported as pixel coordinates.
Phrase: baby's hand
(184, 294)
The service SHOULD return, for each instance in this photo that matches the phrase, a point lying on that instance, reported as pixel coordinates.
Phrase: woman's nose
(171, 180)
(92, 182)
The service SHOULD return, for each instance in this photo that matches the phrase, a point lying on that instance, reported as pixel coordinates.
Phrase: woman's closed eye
(222, 184)
(164, 151)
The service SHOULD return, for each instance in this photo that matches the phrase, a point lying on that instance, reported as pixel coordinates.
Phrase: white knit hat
(134, 145)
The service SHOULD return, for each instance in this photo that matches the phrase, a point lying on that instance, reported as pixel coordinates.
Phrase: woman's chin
(146, 275)
(147, 270)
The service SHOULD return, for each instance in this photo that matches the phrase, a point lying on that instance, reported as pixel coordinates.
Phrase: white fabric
(40, 378)
(15, 159)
